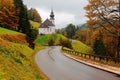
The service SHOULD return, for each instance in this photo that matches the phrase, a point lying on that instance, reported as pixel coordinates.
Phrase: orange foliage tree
(8, 16)
(105, 14)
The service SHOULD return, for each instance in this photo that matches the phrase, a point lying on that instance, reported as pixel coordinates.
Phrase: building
(48, 26)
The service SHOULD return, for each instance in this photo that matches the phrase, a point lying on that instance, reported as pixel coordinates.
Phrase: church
(48, 26)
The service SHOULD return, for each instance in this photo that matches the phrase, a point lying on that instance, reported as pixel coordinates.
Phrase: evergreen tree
(24, 25)
(99, 47)
(70, 30)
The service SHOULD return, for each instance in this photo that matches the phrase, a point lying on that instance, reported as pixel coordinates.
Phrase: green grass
(43, 40)
(6, 31)
(77, 45)
(81, 47)
(35, 24)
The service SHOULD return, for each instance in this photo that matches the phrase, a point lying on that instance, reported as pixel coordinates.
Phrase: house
(48, 26)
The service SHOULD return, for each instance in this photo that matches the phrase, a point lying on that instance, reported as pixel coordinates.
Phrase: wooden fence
(93, 57)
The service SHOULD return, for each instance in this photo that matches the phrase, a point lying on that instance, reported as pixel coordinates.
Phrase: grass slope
(43, 40)
(81, 47)
(35, 24)
(17, 60)
(6, 31)
(77, 45)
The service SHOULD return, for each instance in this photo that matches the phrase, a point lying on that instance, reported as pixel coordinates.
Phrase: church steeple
(52, 16)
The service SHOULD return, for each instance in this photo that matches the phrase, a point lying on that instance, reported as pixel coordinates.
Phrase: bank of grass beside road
(81, 47)
(17, 60)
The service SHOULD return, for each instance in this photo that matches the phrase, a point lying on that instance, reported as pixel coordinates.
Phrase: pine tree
(99, 47)
(70, 30)
(24, 25)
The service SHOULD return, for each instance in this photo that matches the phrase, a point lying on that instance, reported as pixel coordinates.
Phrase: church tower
(52, 17)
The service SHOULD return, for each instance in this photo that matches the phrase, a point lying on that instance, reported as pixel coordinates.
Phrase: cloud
(66, 11)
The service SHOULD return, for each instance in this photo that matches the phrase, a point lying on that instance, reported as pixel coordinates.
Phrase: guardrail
(105, 59)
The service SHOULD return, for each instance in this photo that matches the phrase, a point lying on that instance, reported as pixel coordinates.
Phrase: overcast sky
(66, 11)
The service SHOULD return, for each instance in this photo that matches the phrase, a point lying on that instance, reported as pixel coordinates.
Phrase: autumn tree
(34, 15)
(8, 16)
(105, 14)
(65, 42)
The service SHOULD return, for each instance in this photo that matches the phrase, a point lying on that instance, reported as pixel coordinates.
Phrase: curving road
(58, 67)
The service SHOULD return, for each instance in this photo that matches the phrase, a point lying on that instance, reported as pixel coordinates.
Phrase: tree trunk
(118, 48)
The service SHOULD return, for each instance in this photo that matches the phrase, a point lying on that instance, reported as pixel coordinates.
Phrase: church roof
(46, 24)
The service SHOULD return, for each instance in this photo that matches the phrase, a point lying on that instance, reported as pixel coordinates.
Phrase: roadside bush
(51, 40)
(65, 43)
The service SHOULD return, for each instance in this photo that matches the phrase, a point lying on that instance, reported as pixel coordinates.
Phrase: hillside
(6, 31)
(77, 45)
(16, 58)
(81, 47)
(43, 40)
(35, 25)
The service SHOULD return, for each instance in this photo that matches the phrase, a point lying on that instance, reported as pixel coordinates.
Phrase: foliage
(34, 15)
(105, 14)
(81, 34)
(24, 25)
(51, 40)
(65, 43)
(99, 47)
(8, 16)
(70, 30)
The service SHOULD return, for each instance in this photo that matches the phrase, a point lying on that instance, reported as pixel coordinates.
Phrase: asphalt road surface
(58, 67)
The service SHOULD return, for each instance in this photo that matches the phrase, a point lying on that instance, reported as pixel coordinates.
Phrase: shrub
(65, 43)
(51, 40)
